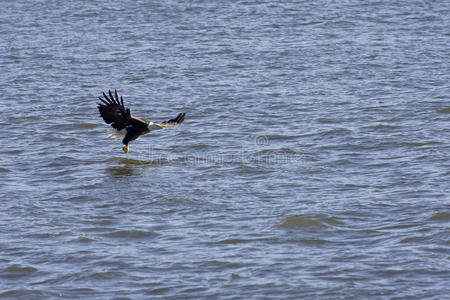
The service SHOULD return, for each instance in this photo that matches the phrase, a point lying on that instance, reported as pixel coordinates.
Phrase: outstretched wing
(114, 112)
(173, 122)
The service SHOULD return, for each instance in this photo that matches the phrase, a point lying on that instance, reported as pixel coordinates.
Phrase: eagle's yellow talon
(126, 149)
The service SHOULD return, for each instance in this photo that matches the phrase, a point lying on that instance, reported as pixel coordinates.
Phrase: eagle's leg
(126, 149)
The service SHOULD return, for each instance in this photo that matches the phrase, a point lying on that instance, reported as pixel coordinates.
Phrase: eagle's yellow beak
(161, 127)
(126, 149)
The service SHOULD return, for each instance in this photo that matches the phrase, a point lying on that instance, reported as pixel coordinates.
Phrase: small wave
(78, 198)
(4, 170)
(200, 146)
(28, 294)
(326, 133)
(441, 217)
(420, 144)
(283, 150)
(108, 275)
(242, 241)
(236, 66)
(300, 222)
(133, 234)
(380, 127)
(245, 169)
(32, 118)
(14, 151)
(279, 137)
(326, 121)
(43, 235)
(158, 291)
(86, 125)
(281, 156)
(82, 240)
(73, 126)
(444, 111)
(308, 222)
(17, 271)
(87, 186)
(395, 144)
(312, 242)
(233, 241)
(63, 161)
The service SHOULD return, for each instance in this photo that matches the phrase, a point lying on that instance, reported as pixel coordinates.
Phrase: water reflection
(124, 167)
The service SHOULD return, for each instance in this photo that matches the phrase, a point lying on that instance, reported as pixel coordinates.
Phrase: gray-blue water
(313, 162)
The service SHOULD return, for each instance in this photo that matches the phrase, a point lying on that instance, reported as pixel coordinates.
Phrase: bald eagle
(125, 124)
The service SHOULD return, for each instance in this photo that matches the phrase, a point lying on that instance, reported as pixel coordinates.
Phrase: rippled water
(313, 162)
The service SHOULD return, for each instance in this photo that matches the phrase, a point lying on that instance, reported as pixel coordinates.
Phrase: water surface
(313, 162)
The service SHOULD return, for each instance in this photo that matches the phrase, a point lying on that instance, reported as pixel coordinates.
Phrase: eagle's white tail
(115, 134)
